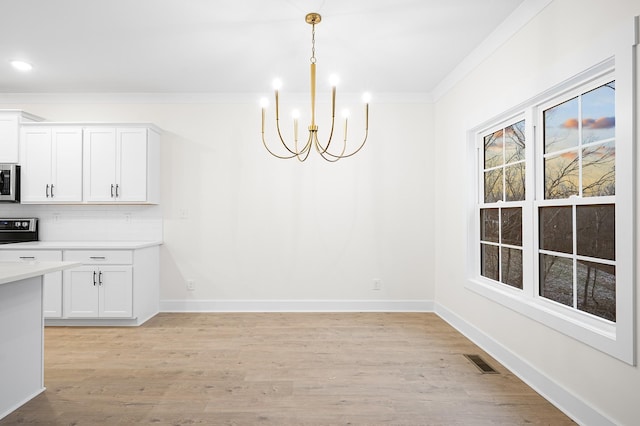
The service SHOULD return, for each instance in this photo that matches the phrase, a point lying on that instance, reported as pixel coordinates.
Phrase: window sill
(599, 334)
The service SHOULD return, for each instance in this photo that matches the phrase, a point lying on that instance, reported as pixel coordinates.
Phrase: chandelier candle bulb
(345, 114)
(366, 97)
(295, 114)
(346, 120)
(263, 105)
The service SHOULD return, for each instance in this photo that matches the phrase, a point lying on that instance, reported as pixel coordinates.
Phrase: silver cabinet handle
(27, 257)
(100, 278)
(97, 257)
(52, 191)
(94, 278)
(111, 190)
(47, 190)
(117, 187)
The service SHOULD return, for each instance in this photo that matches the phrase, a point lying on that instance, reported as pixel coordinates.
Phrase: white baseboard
(296, 305)
(577, 409)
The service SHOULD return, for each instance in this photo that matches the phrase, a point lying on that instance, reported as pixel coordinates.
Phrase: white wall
(248, 227)
(564, 39)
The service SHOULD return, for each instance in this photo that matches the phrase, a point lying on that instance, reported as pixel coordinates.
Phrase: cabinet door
(116, 291)
(132, 165)
(99, 152)
(67, 164)
(35, 174)
(52, 298)
(81, 292)
(9, 138)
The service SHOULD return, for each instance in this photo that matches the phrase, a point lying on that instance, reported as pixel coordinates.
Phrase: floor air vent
(481, 364)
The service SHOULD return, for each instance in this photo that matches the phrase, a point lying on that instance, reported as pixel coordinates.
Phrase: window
(500, 222)
(576, 218)
(549, 236)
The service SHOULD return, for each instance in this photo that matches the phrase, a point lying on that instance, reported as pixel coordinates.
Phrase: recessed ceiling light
(21, 65)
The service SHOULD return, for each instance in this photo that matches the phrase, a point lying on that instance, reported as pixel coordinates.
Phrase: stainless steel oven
(18, 230)
(9, 183)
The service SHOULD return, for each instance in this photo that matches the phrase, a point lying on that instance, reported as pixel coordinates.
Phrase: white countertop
(16, 271)
(83, 245)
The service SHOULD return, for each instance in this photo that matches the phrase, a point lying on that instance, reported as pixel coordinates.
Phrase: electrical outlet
(191, 285)
(377, 284)
(184, 214)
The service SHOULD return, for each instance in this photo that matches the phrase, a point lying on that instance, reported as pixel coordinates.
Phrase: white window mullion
(575, 251)
(500, 278)
(580, 129)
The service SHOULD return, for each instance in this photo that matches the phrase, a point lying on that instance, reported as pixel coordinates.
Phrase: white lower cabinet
(98, 291)
(102, 287)
(115, 284)
(52, 290)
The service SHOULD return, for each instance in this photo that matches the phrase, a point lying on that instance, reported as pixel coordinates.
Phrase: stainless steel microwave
(9, 183)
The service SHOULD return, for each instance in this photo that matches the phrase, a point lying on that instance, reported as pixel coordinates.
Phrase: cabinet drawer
(99, 257)
(31, 255)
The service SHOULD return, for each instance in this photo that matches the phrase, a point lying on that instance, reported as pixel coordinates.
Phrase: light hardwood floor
(277, 369)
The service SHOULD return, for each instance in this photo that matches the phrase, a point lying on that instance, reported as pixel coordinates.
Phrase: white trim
(579, 410)
(196, 98)
(507, 29)
(244, 305)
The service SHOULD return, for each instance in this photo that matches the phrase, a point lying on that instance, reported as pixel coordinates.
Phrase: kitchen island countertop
(16, 271)
(80, 245)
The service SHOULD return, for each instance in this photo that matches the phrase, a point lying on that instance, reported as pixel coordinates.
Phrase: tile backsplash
(91, 222)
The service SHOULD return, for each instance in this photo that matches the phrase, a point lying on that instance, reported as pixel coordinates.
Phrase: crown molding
(192, 98)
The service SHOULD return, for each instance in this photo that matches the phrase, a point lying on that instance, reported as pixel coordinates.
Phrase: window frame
(616, 339)
(503, 204)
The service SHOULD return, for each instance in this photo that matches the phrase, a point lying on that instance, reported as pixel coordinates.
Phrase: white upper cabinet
(51, 164)
(10, 121)
(121, 165)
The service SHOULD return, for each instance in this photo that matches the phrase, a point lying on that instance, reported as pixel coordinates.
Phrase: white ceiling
(238, 46)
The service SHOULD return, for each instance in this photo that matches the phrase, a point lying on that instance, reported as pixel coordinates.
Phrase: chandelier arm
(333, 122)
(331, 158)
(278, 127)
(264, 142)
(366, 134)
(322, 153)
(282, 139)
(306, 150)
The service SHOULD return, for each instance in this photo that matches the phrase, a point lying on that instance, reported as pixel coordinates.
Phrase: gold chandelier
(324, 150)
